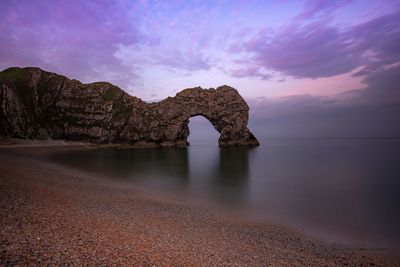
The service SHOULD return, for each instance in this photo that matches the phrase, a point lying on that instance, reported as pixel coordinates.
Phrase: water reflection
(130, 164)
(230, 176)
(337, 190)
(219, 174)
(233, 167)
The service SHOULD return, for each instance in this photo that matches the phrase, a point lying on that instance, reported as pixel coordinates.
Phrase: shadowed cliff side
(35, 104)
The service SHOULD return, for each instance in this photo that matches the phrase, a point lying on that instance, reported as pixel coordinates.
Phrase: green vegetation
(19, 76)
(98, 84)
(111, 93)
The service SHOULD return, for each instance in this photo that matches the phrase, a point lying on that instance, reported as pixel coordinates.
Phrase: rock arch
(36, 104)
(223, 107)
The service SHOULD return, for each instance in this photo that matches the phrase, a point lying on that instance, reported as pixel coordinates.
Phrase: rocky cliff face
(36, 104)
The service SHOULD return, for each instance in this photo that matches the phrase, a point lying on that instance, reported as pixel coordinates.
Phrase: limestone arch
(223, 107)
(100, 112)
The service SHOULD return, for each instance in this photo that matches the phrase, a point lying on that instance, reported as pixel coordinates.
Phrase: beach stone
(35, 104)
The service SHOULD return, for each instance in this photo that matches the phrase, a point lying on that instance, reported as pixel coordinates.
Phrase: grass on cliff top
(100, 84)
(111, 93)
(17, 75)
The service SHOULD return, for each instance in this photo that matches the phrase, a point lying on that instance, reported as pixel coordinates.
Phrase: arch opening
(201, 131)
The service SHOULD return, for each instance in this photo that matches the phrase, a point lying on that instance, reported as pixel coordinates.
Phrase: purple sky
(282, 56)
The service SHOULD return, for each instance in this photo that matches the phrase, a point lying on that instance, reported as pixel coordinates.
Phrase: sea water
(344, 191)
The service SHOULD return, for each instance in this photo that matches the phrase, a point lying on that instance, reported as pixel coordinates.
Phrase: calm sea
(345, 191)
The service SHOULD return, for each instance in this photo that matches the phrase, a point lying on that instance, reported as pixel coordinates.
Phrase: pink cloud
(318, 49)
(72, 37)
(324, 8)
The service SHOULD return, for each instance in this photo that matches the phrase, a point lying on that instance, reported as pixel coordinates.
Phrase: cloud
(75, 38)
(322, 8)
(105, 40)
(251, 71)
(378, 41)
(383, 87)
(372, 111)
(318, 49)
(311, 51)
(184, 59)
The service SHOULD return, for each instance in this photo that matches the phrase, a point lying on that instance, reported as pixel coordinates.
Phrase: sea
(345, 191)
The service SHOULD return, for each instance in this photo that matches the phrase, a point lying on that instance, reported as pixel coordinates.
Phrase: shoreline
(56, 216)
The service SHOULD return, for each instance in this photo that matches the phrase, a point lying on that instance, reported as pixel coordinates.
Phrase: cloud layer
(369, 112)
(318, 49)
(97, 37)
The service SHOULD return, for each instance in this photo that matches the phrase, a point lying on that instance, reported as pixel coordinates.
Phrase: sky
(306, 68)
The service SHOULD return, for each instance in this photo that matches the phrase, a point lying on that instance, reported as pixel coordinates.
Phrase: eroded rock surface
(36, 104)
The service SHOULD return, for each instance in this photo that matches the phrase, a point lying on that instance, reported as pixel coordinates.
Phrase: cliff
(35, 104)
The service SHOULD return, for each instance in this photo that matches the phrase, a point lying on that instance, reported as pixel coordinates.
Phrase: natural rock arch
(223, 107)
(39, 104)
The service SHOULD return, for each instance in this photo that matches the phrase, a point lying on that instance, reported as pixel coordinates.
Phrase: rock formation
(36, 104)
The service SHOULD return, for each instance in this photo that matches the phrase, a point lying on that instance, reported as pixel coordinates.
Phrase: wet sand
(54, 215)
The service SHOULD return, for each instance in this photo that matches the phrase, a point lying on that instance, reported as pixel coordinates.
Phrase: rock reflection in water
(230, 177)
(338, 190)
(221, 174)
(131, 164)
